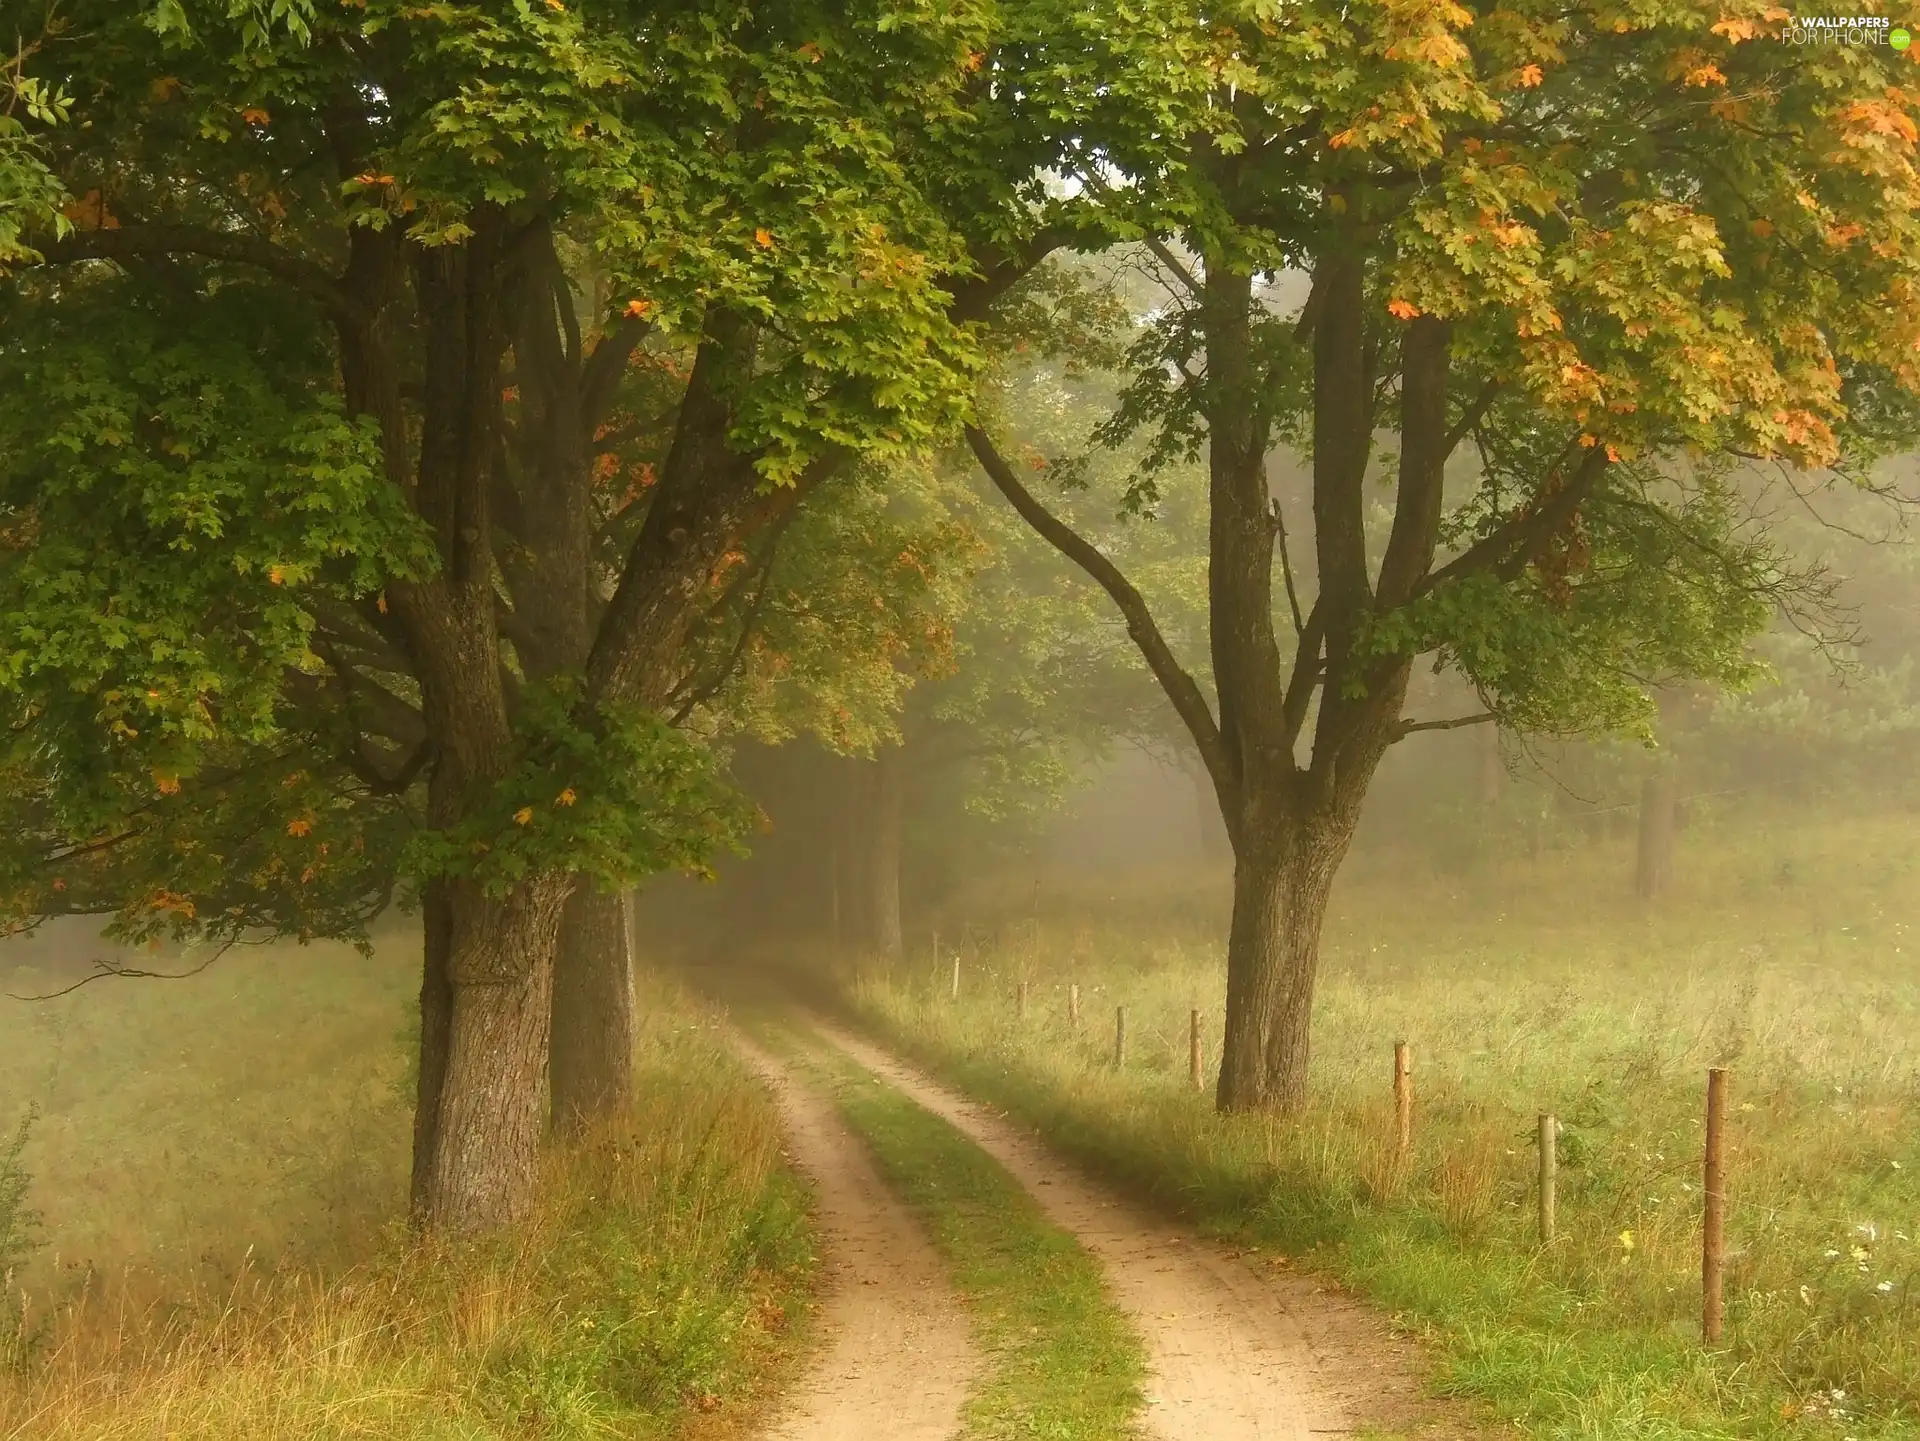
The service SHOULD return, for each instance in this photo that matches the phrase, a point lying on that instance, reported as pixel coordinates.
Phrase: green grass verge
(1063, 1363)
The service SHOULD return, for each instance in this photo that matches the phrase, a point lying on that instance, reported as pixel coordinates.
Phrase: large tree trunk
(1653, 871)
(1253, 961)
(1283, 877)
(1306, 883)
(482, 1169)
(591, 1073)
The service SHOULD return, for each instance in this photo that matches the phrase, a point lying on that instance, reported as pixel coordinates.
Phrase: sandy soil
(1239, 1350)
(896, 1363)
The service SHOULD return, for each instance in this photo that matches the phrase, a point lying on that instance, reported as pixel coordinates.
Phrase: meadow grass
(660, 1290)
(1062, 1361)
(1524, 986)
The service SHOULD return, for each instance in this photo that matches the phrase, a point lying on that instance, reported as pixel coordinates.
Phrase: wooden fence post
(956, 975)
(1713, 1237)
(1403, 1093)
(1196, 1058)
(1119, 1037)
(1073, 1005)
(1020, 994)
(1549, 1178)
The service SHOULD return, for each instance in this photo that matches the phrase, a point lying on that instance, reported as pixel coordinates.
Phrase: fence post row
(1549, 1178)
(1403, 1093)
(1196, 1057)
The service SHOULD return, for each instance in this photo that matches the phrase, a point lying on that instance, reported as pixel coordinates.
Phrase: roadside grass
(1524, 986)
(1063, 1362)
(660, 1290)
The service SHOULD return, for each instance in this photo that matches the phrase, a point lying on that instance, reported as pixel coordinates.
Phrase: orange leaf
(276, 574)
(90, 212)
(1528, 76)
(254, 115)
(810, 52)
(1762, 228)
(763, 238)
(299, 827)
(380, 602)
(1402, 309)
(523, 815)
(566, 797)
(638, 309)
(169, 785)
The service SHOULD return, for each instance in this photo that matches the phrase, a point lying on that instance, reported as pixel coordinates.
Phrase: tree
(1607, 250)
(728, 248)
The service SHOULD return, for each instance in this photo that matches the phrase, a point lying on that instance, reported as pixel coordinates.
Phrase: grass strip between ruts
(1063, 1363)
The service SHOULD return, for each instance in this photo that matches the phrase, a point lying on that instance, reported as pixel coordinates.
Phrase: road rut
(1235, 1353)
(897, 1363)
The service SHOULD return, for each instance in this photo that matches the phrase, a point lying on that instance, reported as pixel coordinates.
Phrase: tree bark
(591, 1051)
(1653, 870)
(436, 1022)
(1313, 857)
(482, 1168)
(1283, 877)
(1253, 962)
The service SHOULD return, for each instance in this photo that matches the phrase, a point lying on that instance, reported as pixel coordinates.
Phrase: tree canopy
(426, 428)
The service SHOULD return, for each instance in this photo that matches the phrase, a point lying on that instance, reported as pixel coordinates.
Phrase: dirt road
(1236, 1354)
(897, 1362)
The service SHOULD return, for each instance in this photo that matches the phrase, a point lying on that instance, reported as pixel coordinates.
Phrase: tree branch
(1474, 414)
(1181, 689)
(1408, 727)
(103, 969)
(229, 245)
(601, 376)
(748, 621)
(1167, 258)
(1511, 548)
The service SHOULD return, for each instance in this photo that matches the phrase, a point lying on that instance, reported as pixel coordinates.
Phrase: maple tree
(1580, 260)
(552, 312)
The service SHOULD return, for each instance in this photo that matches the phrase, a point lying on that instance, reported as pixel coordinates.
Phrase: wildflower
(1626, 1243)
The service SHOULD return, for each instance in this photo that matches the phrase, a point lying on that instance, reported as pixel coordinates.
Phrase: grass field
(661, 1291)
(1786, 952)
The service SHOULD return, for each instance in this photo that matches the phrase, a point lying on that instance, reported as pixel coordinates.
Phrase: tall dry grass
(1529, 986)
(658, 1286)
